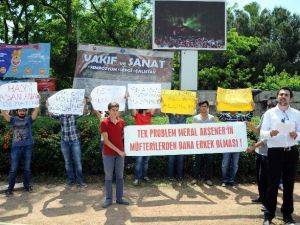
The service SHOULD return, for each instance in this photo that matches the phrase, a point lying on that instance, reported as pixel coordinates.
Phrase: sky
(290, 5)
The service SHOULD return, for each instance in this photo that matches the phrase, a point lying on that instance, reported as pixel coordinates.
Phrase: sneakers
(224, 184)
(193, 182)
(209, 182)
(8, 192)
(135, 182)
(280, 187)
(28, 189)
(106, 203)
(147, 179)
(267, 222)
(122, 201)
(288, 220)
(82, 186)
(170, 179)
(233, 184)
(256, 200)
(69, 185)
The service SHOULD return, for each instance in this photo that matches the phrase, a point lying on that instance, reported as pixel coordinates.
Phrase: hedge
(48, 160)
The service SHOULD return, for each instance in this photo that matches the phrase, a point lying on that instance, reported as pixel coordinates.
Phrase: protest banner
(178, 102)
(67, 102)
(102, 65)
(25, 61)
(19, 95)
(103, 95)
(144, 96)
(234, 99)
(183, 139)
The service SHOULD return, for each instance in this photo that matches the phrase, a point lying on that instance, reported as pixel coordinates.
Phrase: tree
(233, 70)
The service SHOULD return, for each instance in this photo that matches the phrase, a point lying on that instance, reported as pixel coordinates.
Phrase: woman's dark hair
(141, 110)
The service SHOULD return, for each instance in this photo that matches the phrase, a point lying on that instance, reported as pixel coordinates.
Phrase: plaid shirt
(69, 130)
(228, 117)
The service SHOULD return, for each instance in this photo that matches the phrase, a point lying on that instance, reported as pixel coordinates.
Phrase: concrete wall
(260, 98)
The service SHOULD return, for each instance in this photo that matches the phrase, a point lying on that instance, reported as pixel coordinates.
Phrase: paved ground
(51, 204)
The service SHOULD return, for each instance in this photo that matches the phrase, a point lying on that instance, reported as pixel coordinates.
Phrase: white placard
(183, 139)
(67, 101)
(19, 95)
(104, 94)
(144, 96)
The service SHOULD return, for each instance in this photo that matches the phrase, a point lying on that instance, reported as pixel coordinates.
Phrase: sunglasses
(285, 117)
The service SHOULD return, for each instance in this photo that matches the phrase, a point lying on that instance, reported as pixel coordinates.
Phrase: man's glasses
(285, 117)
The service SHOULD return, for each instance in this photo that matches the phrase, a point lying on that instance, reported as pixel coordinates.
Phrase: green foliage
(274, 81)
(234, 72)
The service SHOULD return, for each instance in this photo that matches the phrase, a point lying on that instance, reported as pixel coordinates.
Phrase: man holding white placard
(70, 138)
(21, 146)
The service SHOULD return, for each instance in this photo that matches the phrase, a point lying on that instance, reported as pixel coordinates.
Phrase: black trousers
(285, 163)
(261, 176)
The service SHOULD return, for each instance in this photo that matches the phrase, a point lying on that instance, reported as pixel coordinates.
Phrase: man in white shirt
(281, 128)
(205, 159)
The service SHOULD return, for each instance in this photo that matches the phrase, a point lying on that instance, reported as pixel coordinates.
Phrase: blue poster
(25, 61)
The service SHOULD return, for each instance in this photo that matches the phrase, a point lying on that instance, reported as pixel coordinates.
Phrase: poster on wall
(188, 24)
(102, 65)
(25, 61)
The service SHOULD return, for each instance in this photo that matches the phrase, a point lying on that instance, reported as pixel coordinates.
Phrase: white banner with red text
(184, 139)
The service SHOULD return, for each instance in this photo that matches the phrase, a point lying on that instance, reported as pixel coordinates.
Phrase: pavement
(151, 203)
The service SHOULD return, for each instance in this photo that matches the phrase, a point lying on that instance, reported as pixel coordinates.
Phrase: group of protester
(277, 155)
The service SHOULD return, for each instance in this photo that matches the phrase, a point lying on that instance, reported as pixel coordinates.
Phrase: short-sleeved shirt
(22, 133)
(177, 119)
(235, 117)
(198, 119)
(115, 135)
(141, 119)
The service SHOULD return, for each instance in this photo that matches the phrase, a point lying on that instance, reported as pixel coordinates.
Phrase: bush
(48, 160)
(274, 81)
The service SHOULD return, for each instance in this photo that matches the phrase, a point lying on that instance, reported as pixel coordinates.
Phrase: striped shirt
(234, 117)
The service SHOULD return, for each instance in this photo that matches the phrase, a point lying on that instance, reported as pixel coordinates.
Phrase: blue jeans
(230, 165)
(72, 153)
(16, 153)
(177, 161)
(113, 163)
(141, 167)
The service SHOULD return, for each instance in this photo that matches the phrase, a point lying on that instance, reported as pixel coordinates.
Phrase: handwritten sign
(103, 95)
(67, 101)
(179, 139)
(234, 99)
(19, 95)
(179, 102)
(144, 96)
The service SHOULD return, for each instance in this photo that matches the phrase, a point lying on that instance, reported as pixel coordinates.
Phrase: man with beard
(281, 129)
(21, 146)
